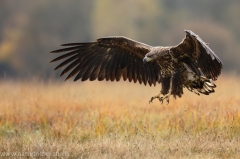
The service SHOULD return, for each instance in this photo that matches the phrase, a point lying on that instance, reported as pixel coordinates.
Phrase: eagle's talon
(161, 99)
(167, 100)
(151, 100)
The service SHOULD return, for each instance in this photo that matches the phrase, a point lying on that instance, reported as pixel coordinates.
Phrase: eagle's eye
(150, 56)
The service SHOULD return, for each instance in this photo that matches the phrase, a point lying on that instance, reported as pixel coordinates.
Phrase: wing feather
(130, 70)
(102, 72)
(135, 70)
(124, 61)
(69, 67)
(108, 58)
(149, 79)
(115, 66)
(66, 61)
(118, 68)
(73, 72)
(153, 76)
(139, 73)
(65, 49)
(124, 74)
(144, 70)
(81, 73)
(197, 54)
(110, 65)
(90, 69)
(96, 69)
(65, 55)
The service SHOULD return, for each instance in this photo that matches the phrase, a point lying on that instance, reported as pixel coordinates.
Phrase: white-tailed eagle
(191, 64)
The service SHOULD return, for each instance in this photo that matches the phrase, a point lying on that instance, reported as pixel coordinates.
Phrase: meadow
(114, 120)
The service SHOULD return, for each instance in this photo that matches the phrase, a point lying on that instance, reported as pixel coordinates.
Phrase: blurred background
(29, 30)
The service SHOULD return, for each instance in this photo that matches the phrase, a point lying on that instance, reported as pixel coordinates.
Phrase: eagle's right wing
(198, 55)
(109, 58)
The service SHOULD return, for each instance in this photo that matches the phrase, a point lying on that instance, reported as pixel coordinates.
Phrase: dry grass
(114, 120)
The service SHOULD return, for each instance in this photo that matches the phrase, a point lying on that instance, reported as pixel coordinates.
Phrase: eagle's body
(191, 64)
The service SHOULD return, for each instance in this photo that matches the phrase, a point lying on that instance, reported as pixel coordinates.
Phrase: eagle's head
(156, 53)
(149, 57)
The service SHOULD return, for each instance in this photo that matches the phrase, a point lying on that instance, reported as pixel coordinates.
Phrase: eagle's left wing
(197, 54)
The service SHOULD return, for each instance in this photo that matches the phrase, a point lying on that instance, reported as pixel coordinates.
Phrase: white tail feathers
(208, 88)
(210, 84)
(199, 84)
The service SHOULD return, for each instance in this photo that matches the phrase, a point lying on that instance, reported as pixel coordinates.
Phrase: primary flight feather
(191, 64)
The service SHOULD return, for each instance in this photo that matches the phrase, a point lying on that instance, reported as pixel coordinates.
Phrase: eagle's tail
(207, 87)
(199, 84)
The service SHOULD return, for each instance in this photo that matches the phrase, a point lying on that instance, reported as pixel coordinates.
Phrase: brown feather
(135, 70)
(90, 69)
(149, 78)
(139, 73)
(102, 72)
(118, 67)
(65, 55)
(177, 85)
(74, 72)
(96, 70)
(165, 85)
(65, 49)
(124, 60)
(144, 74)
(81, 73)
(66, 61)
(130, 70)
(125, 73)
(69, 67)
(110, 66)
(153, 76)
(129, 45)
(115, 66)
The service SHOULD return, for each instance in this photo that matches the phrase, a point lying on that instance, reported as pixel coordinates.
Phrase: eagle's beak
(146, 59)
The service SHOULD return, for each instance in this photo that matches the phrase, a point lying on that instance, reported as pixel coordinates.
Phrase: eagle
(191, 64)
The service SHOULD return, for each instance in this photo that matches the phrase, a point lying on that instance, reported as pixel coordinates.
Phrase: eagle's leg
(164, 91)
(154, 97)
(161, 98)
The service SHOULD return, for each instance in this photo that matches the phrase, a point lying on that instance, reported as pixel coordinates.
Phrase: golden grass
(114, 120)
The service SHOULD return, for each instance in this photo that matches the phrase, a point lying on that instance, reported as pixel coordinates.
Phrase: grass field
(114, 120)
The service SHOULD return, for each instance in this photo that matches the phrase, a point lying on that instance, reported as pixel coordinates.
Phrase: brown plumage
(191, 64)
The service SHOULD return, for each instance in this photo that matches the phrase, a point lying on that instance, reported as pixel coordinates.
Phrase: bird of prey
(190, 64)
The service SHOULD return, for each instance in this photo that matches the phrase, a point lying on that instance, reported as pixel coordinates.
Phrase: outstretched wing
(197, 54)
(109, 58)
